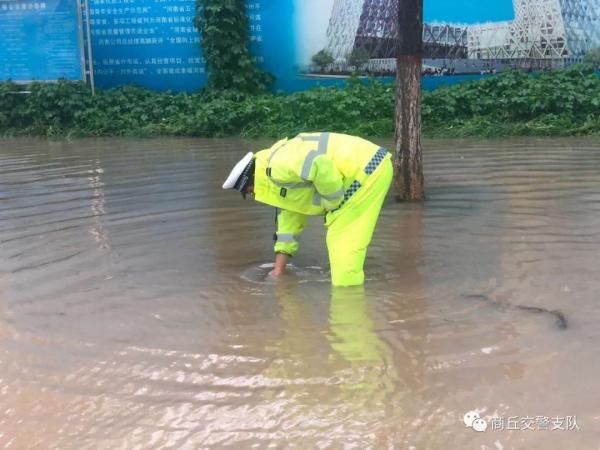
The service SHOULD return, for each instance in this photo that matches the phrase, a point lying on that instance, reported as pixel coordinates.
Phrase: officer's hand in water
(275, 273)
(281, 260)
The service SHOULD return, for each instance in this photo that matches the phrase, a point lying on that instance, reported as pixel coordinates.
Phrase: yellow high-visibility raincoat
(341, 177)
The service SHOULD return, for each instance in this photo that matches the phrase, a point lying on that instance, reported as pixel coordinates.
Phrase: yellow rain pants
(350, 229)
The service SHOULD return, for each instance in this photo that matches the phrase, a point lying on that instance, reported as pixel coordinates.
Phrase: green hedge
(554, 103)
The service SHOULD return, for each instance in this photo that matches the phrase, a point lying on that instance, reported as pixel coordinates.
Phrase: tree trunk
(408, 160)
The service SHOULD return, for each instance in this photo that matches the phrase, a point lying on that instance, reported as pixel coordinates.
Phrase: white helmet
(241, 175)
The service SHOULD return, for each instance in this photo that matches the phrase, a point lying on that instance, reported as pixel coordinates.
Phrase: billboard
(309, 42)
(40, 40)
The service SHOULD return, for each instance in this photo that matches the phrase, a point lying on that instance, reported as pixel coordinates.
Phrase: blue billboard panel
(154, 44)
(150, 43)
(40, 40)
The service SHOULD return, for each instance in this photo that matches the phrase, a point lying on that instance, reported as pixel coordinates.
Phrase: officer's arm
(281, 260)
(289, 228)
(328, 182)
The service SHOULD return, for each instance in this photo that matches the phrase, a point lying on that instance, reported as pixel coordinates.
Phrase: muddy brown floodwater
(134, 313)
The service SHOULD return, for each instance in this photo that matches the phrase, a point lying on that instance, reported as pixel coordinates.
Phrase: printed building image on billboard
(545, 33)
(371, 25)
(534, 34)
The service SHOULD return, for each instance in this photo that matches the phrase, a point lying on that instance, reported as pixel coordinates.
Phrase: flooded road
(134, 313)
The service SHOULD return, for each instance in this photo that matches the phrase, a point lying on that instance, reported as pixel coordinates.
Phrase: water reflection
(347, 358)
(98, 206)
(352, 333)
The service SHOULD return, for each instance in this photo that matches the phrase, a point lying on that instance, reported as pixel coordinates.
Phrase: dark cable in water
(560, 320)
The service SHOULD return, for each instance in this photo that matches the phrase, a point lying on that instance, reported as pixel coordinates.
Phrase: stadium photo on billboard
(339, 37)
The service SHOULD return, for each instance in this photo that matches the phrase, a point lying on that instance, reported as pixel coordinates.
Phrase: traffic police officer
(344, 178)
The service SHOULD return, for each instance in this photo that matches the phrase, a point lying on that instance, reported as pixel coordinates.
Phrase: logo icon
(472, 420)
